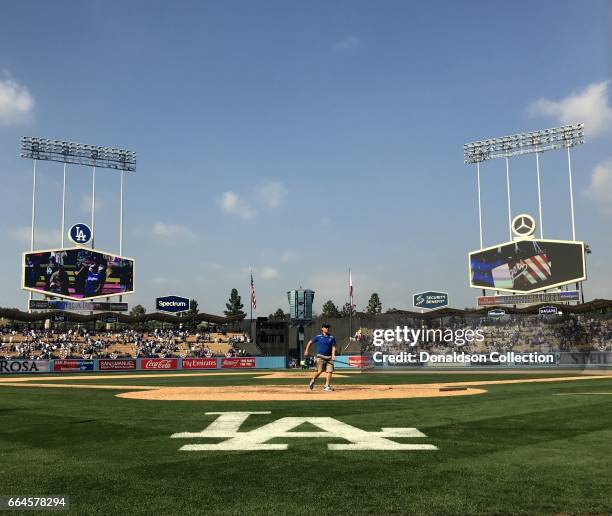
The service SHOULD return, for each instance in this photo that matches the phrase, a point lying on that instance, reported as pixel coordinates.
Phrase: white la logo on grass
(228, 424)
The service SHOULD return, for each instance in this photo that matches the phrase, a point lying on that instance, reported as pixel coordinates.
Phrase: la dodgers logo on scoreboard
(80, 234)
(227, 425)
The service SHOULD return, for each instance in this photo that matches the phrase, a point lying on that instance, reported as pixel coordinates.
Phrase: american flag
(253, 298)
(351, 299)
(537, 268)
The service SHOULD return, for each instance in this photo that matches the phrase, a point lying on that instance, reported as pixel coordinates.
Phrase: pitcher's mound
(296, 392)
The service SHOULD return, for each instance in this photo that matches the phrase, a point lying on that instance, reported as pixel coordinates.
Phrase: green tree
(347, 310)
(374, 304)
(234, 306)
(330, 310)
(279, 315)
(193, 307)
(138, 310)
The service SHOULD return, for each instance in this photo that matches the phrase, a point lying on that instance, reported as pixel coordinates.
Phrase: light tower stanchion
(93, 206)
(479, 202)
(537, 154)
(508, 192)
(33, 220)
(121, 214)
(571, 190)
(121, 219)
(64, 205)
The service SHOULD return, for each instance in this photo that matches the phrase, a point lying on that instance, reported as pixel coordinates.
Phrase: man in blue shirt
(326, 354)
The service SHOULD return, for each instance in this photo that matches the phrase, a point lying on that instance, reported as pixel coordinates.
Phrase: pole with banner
(253, 306)
(351, 305)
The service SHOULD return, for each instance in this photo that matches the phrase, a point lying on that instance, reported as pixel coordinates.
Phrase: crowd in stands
(548, 333)
(30, 342)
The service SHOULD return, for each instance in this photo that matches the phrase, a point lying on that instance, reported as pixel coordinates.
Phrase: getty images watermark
(460, 337)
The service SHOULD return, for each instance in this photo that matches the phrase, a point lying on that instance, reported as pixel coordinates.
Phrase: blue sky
(301, 138)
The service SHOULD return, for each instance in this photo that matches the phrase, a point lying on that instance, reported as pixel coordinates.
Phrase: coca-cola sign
(199, 363)
(159, 363)
(117, 365)
(238, 363)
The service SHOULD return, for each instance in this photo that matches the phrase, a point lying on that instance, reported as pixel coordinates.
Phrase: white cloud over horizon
(16, 103)
(590, 105)
(272, 194)
(288, 256)
(233, 204)
(43, 238)
(165, 230)
(600, 187)
(268, 272)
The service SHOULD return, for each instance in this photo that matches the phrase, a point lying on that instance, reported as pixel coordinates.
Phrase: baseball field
(484, 442)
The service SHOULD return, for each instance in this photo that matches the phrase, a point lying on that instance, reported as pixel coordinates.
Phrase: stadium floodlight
(524, 143)
(44, 149)
(534, 142)
(78, 153)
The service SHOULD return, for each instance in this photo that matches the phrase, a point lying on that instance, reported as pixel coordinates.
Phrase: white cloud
(335, 286)
(172, 231)
(271, 195)
(590, 106)
(348, 46)
(600, 189)
(268, 273)
(233, 204)
(43, 238)
(288, 256)
(16, 103)
(85, 204)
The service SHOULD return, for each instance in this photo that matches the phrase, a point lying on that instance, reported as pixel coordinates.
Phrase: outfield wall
(18, 366)
(592, 360)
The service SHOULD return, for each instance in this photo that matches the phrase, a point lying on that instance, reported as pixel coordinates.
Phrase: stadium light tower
(534, 142)
(78, 154)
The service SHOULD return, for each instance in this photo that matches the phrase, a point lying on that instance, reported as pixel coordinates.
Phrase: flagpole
(350, 306)
(251, 302)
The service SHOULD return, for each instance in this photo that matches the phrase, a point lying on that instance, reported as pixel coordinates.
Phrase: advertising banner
(548, 310)
(24, 366)
(528, 299)
(86, 306)
(117, 364)
(172, 304)
(74, 365)
(430, 300)
(358, 361)
(199, 363)
(159, 363)
(238, 362)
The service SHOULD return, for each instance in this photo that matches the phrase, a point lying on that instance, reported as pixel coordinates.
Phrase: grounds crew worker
(326, 354)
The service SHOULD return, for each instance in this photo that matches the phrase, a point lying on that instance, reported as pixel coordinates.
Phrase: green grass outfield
(531, 448)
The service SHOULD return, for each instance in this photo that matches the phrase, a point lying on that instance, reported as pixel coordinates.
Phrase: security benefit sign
(430, 300)
(172, 304)
(528, 265)
(77, 273)
(226, 426)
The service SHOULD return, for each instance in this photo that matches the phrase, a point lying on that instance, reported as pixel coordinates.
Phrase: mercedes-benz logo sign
(523, 225)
